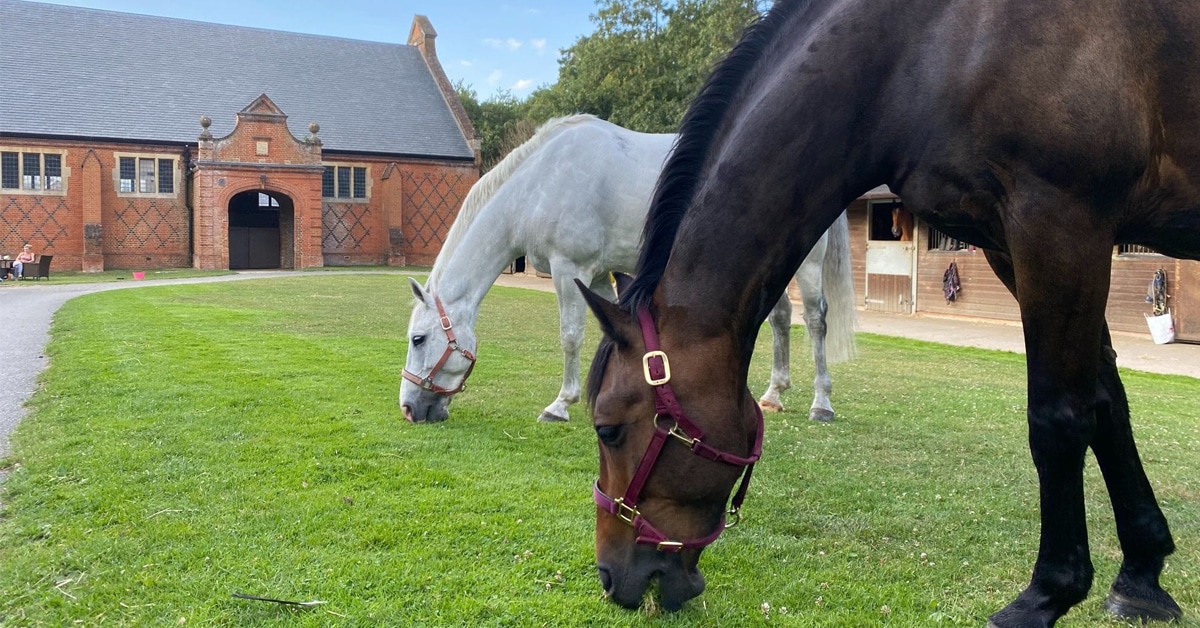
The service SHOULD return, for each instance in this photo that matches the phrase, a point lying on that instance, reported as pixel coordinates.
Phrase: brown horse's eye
(418, 340)
(610, 435)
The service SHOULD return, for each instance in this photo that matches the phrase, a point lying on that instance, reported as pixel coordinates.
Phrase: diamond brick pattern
(426, 198)
(33, 219)
(142, 225)
(345, 226)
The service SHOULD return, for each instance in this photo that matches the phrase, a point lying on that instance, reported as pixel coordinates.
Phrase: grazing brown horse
(1044, 132)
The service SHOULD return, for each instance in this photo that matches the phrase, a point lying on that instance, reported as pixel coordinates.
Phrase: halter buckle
(622, 508)
(445, 323)
(650, 379)
(670, 546)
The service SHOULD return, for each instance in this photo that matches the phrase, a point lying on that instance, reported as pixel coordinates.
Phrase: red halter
(657, 370)
(452, 346)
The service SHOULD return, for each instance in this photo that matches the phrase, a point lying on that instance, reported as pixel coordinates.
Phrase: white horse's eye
(418, 340)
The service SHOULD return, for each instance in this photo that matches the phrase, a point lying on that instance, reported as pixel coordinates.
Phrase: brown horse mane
(680, 178)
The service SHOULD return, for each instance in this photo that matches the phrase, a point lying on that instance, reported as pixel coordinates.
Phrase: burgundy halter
(657, 370)
(452, 346)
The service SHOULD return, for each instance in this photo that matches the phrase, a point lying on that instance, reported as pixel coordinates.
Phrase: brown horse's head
(661, 495)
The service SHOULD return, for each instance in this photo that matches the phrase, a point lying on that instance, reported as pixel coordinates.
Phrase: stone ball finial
(205, 121)
(314, 128)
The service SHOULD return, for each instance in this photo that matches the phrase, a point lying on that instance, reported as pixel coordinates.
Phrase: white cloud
(494, 77)
(539, 45)
(502, 44)
(522, 84)
(465, 63)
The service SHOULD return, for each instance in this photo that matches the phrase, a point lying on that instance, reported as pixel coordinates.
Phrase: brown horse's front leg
(1062, 310)
(1142, 528)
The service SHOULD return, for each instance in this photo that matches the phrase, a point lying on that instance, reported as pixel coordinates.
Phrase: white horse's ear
(622, 280)
(420, 292)
(615, 322)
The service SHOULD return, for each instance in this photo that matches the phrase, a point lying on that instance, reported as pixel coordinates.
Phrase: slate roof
(68, 71)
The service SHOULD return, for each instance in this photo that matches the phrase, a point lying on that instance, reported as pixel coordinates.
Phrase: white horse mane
(486, 187)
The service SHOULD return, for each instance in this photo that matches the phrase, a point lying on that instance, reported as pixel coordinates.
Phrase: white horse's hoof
(770, 406)
(821, 415)
(547, 417)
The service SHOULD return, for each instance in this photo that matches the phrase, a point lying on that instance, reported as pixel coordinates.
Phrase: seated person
(26, 257)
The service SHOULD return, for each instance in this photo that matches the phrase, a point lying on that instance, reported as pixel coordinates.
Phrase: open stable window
(31, 173)
(145, 175)
(344, 182)
(939, 241)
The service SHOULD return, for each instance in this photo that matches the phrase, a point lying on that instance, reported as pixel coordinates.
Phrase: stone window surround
(349, 164)
(116, 174)
(66, 170)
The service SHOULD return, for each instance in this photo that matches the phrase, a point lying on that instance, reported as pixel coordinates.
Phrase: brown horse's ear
(614, 322)
(623, 282)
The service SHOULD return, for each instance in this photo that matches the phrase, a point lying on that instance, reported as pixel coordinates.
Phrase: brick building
(130, 141)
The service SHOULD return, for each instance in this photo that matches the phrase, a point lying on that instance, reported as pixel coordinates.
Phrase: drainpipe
(188, 191)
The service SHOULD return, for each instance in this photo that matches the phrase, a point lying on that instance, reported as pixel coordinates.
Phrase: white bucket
(1162, 328)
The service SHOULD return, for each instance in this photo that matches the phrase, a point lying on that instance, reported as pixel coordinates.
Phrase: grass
(77, 277)
(190, 442)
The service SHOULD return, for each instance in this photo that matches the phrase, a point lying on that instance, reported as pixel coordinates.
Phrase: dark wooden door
(1185, 304)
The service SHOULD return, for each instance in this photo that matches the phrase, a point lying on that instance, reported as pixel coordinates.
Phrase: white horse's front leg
(780, 319)
(572, 313)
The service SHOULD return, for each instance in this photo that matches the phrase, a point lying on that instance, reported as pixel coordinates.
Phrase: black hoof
(547, 417)
(1142, 610)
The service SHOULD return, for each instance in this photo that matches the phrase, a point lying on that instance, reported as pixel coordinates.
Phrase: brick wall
(130, 230)
(404, 219)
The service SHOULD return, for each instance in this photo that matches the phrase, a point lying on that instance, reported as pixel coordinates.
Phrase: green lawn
(191, 442)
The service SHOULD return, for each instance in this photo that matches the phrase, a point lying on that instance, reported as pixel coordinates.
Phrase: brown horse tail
(841, 319)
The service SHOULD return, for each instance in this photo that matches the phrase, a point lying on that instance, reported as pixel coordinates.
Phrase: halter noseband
(657, 370)
(452, 346)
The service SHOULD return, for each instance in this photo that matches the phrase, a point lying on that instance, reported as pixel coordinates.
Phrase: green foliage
(192, 441)
(497, 120)
(639, 69)
(645, 61)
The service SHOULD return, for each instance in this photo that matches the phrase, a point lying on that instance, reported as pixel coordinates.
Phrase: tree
(645, 61)
(497, 120)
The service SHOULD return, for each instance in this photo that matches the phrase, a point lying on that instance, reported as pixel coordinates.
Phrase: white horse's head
(441, 354)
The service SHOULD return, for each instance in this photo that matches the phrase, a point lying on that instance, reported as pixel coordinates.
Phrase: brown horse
(902, 223)
(1044, 132)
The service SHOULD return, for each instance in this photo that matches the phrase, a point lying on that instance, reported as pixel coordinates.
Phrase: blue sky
(489, 44)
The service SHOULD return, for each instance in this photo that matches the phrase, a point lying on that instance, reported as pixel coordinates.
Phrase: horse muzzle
(677, 582)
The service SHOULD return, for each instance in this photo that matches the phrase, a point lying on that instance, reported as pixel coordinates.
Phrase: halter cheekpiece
(670, 421)
(452, 347)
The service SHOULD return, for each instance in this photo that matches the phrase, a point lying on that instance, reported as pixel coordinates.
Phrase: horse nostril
(606, 580)
(408, 413)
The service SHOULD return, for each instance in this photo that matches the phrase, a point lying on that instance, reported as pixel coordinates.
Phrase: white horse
(573, 200)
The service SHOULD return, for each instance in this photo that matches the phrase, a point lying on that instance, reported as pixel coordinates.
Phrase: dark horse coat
(1043, 131)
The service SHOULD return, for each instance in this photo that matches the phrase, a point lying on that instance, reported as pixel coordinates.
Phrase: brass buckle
(622, 508)
(666, 368)
(737, 518)
(445, 322)
(673, 546)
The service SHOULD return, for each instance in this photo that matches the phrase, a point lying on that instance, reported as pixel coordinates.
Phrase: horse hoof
(770, 406)
(547, 417)
(1142, 610)
(821, 415)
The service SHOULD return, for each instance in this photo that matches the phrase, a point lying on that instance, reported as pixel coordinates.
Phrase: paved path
(1134, 351)
(26, 311)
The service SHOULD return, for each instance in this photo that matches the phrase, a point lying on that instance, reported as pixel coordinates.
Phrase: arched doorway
(261, 226)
